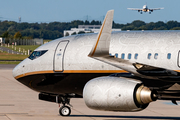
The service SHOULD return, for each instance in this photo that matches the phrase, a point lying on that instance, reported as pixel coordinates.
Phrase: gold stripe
(19, 76)
(71, 71)
(94, 71)
(75, 71)
(33, 73)
(98, 39)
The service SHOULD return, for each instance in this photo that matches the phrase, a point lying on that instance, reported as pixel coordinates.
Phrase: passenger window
(129, 56)
(155, 55)
(122, 56)
(116, 55)
(169, 56)
(136, 56)
(149, 56)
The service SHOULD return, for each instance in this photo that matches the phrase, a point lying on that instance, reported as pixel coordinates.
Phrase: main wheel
(65, 111)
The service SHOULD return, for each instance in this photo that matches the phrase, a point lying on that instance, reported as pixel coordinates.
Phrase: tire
(65, 111)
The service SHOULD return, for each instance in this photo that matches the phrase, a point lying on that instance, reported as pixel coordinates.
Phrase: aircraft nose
(18, 70)
(15, 71)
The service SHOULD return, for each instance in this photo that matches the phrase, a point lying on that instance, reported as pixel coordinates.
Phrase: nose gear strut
(64, 110)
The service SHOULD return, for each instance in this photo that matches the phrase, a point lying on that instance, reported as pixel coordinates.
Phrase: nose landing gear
(65, 110)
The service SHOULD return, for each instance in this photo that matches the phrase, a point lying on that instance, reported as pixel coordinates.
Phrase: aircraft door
(59, 56)
(178, 60)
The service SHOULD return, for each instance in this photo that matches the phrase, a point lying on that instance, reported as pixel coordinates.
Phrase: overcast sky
(68, 10)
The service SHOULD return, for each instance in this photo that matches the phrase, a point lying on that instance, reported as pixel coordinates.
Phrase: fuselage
(65, 67)
(145, 8)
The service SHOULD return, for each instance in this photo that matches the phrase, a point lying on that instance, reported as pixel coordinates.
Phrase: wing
(155, 9)
(137, 9)
(100, 51)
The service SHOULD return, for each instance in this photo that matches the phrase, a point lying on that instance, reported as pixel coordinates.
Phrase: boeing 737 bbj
(119, 71)
(145, 9)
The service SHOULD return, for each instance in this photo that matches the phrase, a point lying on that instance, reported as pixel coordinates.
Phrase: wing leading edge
(156, 8)
(138, 9)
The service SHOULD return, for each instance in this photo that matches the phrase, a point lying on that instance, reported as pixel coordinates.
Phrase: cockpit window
(37, 54)
(32, 55)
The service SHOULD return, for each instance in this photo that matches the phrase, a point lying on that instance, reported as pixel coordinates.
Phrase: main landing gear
(65, 110)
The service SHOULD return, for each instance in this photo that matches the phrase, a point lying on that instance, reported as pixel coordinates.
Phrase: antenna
(19, 19)
(87, 18)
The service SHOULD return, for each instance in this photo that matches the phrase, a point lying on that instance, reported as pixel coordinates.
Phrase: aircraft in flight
(113, 71)
(145, 9)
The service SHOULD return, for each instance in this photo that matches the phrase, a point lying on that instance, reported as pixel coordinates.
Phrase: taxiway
(18, 102)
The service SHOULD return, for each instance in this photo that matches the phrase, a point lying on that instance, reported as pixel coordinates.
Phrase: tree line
(53, 30)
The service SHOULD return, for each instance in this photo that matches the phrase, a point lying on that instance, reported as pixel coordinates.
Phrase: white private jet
(145, 9)
(120, 71)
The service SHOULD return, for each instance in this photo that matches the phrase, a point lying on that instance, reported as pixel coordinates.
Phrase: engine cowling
(117, 94)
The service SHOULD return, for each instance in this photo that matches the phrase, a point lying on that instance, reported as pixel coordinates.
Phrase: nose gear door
(59, 56)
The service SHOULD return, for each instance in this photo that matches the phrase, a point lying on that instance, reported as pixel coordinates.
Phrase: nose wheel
(65, 111)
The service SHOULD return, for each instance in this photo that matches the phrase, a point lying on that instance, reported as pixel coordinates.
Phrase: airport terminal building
(85, 29)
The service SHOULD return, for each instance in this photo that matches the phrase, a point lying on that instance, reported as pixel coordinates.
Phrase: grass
(8, 56)
(10, 62)
(27, 47)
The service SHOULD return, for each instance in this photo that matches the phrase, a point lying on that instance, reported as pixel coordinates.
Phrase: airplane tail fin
(101, 46)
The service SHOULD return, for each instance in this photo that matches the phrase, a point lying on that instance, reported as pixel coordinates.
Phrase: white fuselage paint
(132, 42)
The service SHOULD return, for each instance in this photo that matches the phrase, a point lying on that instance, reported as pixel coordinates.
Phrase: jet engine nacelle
(117, 94)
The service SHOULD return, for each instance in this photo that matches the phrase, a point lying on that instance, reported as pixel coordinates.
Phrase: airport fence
(14, 45)
(24, 41)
